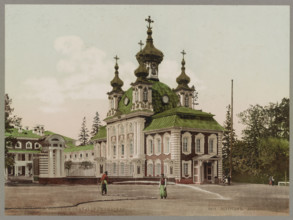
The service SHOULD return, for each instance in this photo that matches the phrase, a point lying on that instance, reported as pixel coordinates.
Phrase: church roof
(102, 134)
(184, 118)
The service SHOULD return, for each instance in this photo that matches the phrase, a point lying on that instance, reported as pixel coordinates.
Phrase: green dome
(159, 90)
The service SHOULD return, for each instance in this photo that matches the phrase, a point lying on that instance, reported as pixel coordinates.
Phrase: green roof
(185, 118)
(24, 134)
(68, 141)
(23, 151)
(79, 148)
(159, 89)
(101, 134)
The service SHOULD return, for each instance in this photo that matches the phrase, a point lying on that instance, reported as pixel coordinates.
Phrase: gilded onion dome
(149, 53)
(116, 82)
(183, 79)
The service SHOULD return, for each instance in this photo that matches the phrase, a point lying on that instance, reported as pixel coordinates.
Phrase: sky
(59, 59)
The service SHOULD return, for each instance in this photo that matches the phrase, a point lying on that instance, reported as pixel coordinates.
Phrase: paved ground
(143, 200)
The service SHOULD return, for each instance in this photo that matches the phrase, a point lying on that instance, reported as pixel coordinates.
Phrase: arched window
(186, 101)
(18, 144)
(150, 169)
(166, 143)
(186, 143)
(29, 145)
(145, 95)
(131, 147)
(212, 144)
(158, 168)
(122, 149)
(114, 167)
(114, 150)
(199, 143)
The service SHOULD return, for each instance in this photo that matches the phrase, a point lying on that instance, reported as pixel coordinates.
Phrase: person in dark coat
(104, 183)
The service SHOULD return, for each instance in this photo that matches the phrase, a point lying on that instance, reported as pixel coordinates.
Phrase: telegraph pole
(231, 132)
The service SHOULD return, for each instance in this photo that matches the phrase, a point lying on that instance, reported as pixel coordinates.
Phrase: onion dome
(149, 53)
(183, 79)
(141, 73)
(116, 82)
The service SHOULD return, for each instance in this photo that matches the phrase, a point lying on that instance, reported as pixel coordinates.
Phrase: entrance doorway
(208, 172)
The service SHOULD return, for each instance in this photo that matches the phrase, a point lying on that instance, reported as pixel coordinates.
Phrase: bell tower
(115, 95)
(184, 92)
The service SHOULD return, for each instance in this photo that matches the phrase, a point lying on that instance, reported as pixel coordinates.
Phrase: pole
(231, 132)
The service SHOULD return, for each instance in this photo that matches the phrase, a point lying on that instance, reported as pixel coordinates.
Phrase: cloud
(84, 73)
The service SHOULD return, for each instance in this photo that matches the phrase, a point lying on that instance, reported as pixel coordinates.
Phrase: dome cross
(183, 53)
(116, 58)
(149, 20)
(140, 43)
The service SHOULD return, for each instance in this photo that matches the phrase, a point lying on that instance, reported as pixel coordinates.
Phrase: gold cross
(149, 20)
(140, 43)
(116, 58)
(183, 53)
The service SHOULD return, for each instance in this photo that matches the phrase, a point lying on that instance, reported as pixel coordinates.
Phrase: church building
(153, 129)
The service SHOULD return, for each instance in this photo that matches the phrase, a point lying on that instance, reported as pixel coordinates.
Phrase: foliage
(264, 150)
(96, 125)
(67, 165)
(10, 122)
(86, 164)
(83, 136)
(227, 140)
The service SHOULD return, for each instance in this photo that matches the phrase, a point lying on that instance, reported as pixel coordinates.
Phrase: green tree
(68, 165)
(96, 125)
(10, 122)
(83, 135)
(227, 140)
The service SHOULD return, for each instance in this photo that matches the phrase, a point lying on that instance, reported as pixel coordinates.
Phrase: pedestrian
(270, 180)
(163, 187)
(229, 180)
(273, 181)
(104, 183)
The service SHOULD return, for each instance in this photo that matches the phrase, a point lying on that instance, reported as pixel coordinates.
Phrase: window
(121, 129)
(122, 149)
(101, 169)
(112, 103)
(165, 169)
(212, 143)
(197, 145)
(18, 145)
(80, 155)
(130, 126)
(186, 101)
(138, 169)
(122, 168)
(150, 169)
(114, 150)
(29, 145)
(211, 146)
(70, 156)
(75, 156)
(171, 170)
(145, 95)
(86, 155)
(131, 147)
(150, 146)
(136, 95)
(37, 145)
(158, 147)
(185, 168)
(158, 169)
(93, 154)
(30, 157)
(167, 144)
(185, 142)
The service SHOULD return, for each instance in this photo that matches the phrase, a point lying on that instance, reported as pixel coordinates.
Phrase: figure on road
(163, 187)
(104, 183)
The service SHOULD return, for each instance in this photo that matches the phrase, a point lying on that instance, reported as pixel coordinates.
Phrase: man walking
(104, 183)
(163, 187)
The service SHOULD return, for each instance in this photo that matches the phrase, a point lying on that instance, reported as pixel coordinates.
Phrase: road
(143, 200)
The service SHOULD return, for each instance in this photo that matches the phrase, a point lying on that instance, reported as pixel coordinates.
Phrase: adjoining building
(37, 152)
(152, 129)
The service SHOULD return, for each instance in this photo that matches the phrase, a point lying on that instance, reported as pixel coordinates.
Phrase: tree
(86, 164)
(227, 140)
(67, 166)
(83, 136)
(10, 122)
(96, 124)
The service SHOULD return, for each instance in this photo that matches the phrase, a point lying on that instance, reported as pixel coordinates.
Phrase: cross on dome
(116, 58)
(140, 43)
(183, 53)
(149, 20)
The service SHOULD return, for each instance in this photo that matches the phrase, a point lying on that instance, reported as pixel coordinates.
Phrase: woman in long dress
(163, 187)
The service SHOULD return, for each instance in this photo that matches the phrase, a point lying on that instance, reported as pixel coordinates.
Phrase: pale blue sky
(59, 59)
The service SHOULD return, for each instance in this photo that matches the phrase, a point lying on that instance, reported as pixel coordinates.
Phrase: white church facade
(152, 129)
